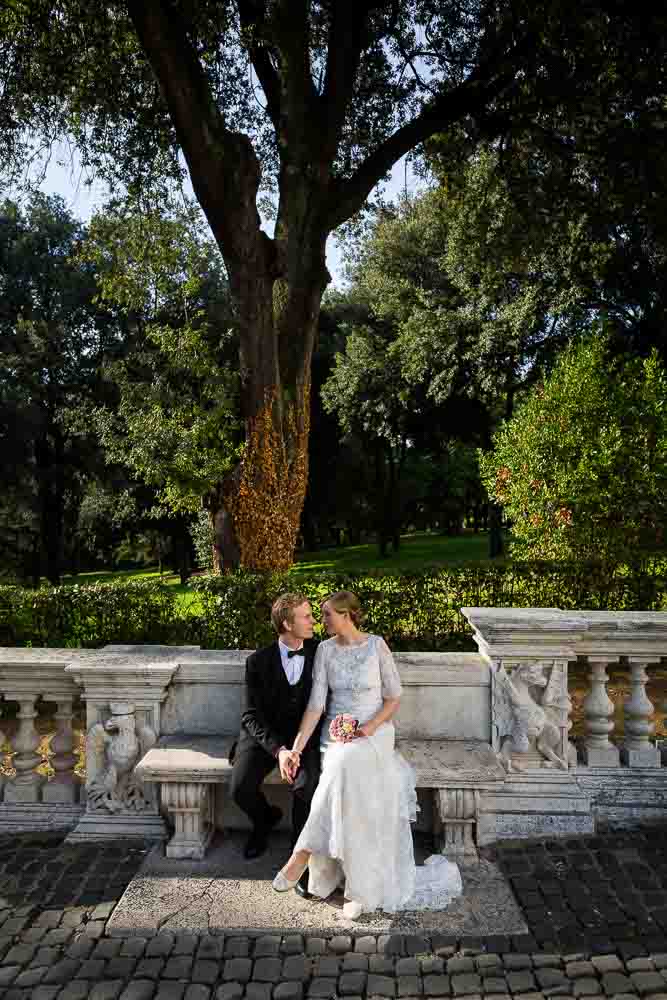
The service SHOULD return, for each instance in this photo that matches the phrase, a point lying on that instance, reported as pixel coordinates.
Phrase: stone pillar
(191, 806)
(599, 751)
(457, 810)
(64, 786)
(25, 787)
(123, 688)
(637, 751)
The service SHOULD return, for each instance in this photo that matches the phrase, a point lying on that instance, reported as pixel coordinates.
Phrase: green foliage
(89, 615)
(413, 611)
(581, 469)
(175, 422)
(54, 338)
(202, 539)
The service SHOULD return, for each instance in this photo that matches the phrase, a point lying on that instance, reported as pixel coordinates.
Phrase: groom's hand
(288, 762)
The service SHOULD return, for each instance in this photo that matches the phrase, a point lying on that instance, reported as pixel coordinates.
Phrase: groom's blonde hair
(345, 600)
(282, 610)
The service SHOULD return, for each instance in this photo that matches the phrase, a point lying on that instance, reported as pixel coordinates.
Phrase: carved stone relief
(531, 710)
(112, 749)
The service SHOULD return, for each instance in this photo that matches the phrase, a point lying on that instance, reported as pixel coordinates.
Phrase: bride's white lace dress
(358, 829)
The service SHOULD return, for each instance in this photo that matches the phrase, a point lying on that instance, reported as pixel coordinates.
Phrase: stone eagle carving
(112, 750)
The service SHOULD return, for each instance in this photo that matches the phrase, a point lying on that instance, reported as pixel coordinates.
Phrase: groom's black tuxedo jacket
(270, 719)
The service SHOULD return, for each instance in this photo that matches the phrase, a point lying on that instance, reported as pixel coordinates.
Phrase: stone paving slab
(228, 893)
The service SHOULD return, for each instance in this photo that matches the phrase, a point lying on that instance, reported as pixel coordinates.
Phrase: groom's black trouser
(251, 766)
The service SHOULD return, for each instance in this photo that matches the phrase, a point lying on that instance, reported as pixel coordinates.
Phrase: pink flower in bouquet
(343, 728)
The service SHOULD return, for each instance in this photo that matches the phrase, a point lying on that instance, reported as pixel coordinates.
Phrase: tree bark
(224, 548)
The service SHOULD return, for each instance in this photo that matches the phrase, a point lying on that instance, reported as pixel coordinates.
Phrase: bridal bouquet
(343, 728)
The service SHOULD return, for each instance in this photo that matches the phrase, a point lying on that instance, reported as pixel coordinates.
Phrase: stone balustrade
(27, 798)
(529, 651)
(512, 695)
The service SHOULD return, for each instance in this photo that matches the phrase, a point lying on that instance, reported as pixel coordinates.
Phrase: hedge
(414, 611)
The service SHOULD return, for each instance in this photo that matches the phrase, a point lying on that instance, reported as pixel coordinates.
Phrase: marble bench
(189, 769)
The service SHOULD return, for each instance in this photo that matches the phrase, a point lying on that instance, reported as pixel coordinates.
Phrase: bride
(358, 831)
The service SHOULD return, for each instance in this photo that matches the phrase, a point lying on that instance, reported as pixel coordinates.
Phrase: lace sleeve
(391, 681)
(320, 688)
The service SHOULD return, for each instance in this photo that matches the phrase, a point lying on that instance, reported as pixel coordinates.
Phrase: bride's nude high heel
(283, 884)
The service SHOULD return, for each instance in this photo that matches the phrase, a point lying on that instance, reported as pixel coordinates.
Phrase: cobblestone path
(596, 909)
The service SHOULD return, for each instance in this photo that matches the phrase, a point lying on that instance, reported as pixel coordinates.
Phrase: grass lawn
(185, 594)
(416, 552)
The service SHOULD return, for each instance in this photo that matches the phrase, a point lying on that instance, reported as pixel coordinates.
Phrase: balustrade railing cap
(524, 632)
(36, 671)
(521, 632)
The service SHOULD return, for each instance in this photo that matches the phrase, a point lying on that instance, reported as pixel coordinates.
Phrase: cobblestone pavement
(596, 909)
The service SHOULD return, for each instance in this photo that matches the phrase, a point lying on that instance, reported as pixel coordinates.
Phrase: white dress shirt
(293, 665)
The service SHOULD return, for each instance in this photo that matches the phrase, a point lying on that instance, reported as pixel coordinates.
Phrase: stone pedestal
(102, 826)
(601, 756)
(539, 803)
(192, 808)
(123, 688)
(648, 756)
(24, 817)
(626, 796)
(456, 808)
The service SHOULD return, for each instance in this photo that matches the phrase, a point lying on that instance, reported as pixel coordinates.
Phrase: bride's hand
(288, 762)
(364, 731)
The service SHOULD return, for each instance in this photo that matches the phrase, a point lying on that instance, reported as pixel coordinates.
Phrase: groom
(278, 681)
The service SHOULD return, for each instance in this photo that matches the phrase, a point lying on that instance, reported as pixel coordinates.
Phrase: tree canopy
(312, 101)
(53, 338)
(174, 420)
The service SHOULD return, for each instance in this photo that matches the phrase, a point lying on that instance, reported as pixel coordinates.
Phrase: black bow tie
(294, 652)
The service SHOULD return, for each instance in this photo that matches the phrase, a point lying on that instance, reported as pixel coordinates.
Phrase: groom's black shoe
(302, 886)
(257, 841)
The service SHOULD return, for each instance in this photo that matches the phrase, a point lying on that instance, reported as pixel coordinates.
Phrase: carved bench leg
(457, 811)
(191, 806)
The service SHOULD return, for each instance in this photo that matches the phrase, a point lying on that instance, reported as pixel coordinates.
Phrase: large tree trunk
(225, 553)
(266, 497)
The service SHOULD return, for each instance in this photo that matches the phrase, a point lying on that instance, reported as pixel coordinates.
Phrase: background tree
(53, 339)
(174, 420)
(581, 468)
(316, 100)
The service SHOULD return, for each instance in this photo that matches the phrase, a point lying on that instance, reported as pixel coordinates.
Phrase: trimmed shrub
(413, 611)
(422, 610)
(122, 612)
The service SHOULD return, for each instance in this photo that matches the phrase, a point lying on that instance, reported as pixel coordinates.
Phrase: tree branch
(346, 31)
(290, 27)
(223, 165)
(485, 83)
(253, 19)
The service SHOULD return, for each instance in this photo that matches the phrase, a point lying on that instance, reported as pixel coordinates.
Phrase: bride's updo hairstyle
(345, 600)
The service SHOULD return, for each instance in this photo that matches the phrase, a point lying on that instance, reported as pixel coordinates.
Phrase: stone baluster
(599, 751)
(64, 786)
(25, 787)
(637, 751)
